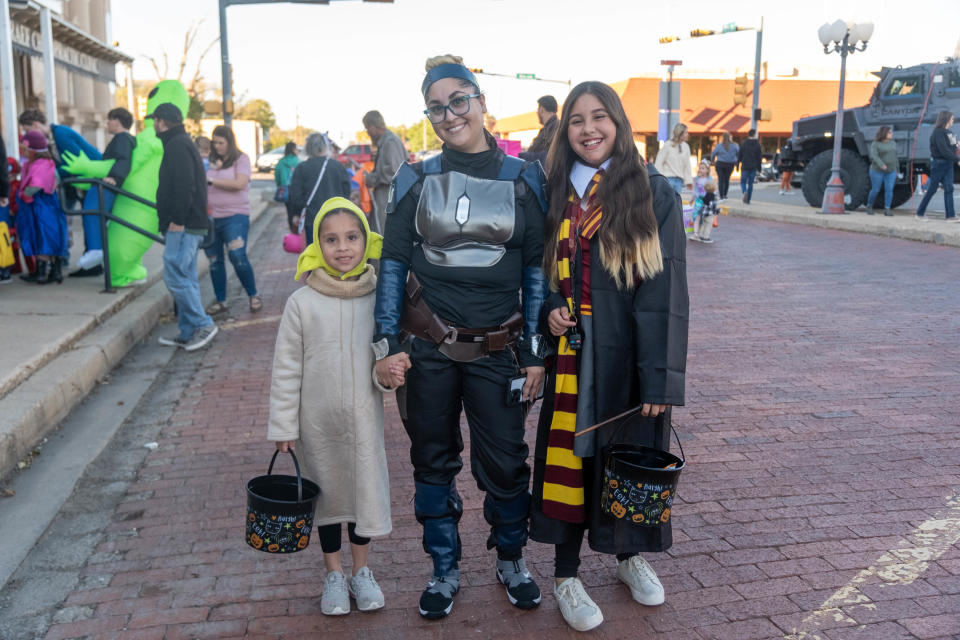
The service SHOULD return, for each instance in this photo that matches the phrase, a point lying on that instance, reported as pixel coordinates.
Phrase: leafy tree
(280, 137)
(259, 110)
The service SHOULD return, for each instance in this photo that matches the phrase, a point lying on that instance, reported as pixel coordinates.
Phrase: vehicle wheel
(901, 193)
(853, 171)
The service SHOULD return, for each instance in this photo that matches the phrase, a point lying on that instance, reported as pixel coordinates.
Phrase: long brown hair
(629, 242)
(942, 119)
(727, 139)
(882, 133)
(233, 152)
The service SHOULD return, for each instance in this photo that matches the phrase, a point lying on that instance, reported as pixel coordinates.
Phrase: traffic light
(763, 115)
(668, 39)
(699, 33)
(212, 107)
(476, 69)
(740, 89)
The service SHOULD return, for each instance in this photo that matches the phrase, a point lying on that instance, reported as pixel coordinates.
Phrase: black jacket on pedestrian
(750, 156)
(541, 144)
(182, 189)
(943, 145)
(120, 150)
(4, 176)
(336, 182)
(639, 356)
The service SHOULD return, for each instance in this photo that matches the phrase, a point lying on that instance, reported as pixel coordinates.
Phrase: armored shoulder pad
(432, 165)
(511, 168)
(403, 181)
(537, 181)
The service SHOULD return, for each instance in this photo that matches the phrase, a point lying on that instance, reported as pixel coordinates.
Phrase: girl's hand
(652, 410)
(391, 371)
(559, 321)
(285, 446)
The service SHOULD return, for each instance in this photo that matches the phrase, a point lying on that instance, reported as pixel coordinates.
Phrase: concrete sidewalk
(903, 223)
(59, 340)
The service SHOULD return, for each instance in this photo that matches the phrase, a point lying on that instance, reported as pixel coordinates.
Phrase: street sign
(671, 63)
(729, 27)
(526, 76)
(669, 96)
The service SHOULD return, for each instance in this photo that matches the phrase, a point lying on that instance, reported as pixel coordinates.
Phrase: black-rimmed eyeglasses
(459, 106)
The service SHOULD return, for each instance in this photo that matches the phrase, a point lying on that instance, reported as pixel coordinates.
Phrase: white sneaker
(201, 337)
(335, 600)
(175, 341)
(644, 585)
(576, 607)
(782, 192)
(366, 591)
(90, 259)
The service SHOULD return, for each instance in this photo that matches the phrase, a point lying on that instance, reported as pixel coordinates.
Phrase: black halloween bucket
(280, 510)
(640, 483)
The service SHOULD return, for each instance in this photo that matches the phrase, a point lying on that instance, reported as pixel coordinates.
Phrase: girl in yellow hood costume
(326, 403)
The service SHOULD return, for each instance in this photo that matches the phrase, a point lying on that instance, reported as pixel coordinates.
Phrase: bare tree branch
(192, 89)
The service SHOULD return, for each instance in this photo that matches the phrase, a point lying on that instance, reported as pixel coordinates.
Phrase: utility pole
(756, 78)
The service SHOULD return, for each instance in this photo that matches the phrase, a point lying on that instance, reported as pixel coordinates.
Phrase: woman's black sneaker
(436, 601)
(522, 591)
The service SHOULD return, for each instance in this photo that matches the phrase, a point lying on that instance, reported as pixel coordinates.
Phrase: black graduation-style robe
(648, 322)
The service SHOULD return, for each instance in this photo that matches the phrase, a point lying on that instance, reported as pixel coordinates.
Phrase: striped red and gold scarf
(563, 475)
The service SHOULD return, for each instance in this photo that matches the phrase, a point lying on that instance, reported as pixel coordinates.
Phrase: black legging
(724, 169)
(330, 535)
(567, 557)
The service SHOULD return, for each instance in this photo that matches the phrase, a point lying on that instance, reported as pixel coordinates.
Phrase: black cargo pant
(437, 391)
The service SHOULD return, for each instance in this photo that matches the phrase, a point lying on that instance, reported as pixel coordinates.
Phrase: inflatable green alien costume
(125, 245)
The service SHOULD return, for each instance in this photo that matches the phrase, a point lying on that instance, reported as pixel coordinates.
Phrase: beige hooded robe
(324, 396)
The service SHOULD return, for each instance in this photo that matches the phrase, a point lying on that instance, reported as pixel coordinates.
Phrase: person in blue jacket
(66, 139)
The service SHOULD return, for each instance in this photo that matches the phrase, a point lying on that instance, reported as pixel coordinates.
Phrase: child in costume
(325, 401)
(703, 223)
(615, 254)
(41, 223)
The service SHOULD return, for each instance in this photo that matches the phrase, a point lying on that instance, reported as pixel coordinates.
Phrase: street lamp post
(841, 38)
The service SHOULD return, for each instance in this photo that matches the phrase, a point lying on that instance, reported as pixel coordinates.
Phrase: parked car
(267, 162)
(356, 154)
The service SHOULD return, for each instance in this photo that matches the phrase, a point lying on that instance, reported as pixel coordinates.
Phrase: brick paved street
(821, 498)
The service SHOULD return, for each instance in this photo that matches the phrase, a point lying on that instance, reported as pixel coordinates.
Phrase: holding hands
(392, 371)
(559, 321)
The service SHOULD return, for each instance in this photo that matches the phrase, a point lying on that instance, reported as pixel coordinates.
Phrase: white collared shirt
(581, 175)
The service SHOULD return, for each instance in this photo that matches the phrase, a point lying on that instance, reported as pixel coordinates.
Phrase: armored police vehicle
(907, 99)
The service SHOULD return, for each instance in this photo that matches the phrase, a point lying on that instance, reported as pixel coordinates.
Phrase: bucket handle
(624, 415)
(295, 464)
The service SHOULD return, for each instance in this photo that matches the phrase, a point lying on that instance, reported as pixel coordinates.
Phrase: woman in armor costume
(467, 227)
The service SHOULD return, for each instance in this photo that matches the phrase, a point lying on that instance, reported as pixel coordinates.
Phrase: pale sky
(333, 63)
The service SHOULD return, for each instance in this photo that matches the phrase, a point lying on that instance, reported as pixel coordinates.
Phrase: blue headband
(448, 70)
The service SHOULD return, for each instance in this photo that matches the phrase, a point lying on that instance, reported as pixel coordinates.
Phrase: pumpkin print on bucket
(280, 511)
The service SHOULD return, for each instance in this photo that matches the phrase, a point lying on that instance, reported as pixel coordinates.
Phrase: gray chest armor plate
(465, 221)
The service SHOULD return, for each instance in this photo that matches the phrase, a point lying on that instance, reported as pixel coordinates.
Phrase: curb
(857, 222)
(53, 384)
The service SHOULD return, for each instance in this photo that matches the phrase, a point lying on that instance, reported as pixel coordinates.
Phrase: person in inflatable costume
(125, 245)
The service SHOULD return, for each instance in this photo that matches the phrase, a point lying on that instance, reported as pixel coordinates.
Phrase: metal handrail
(104, 216)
